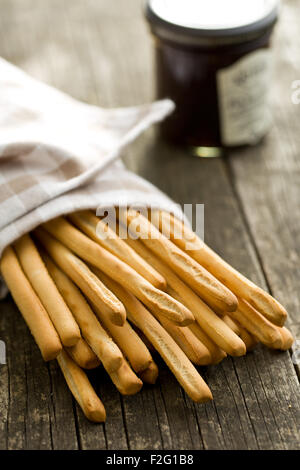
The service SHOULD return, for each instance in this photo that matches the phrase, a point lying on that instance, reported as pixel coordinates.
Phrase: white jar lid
(200, 19)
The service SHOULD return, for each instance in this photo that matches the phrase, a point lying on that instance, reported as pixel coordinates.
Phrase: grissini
(82, 276)
(233, 279)
(101, 233)
(287, 338)
(96, 336)
(82, 354)
(150, 375)
(126, 338)
(193, 348)
(217, 354)
(30, 306)
(81, 389)
(254, 322)
(204, 283)
(174, 357)
(245, 336)
(122, 376)
(125, 380)
(248, 339)
(213, 326)
(232, 324)
(136, 351)
(45, 288)
(99, 257)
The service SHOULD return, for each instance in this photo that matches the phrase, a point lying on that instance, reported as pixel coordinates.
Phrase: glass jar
(213, 60)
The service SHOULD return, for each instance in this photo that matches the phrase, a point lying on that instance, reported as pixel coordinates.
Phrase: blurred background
(81, 46)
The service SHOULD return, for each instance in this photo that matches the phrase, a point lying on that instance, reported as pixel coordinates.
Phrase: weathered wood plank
(4, 384)
(110, 435)
(267, 177)
(226, 232)
(142, 433)
(63, 425)
(24, 413)
(38, 407)
(181, 418)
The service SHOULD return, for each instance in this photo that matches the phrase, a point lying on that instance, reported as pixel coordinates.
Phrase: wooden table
(101, 52)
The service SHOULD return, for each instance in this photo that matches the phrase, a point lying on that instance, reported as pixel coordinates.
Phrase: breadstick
(287, 338)
(126, 338)
(213, 326)
(97, 338)
(46, 290)
(125, 380)
(129, 341)
(144, 338)
(30, 306)
(81, 389)
(245, 336)
(217, 354)
(174, 357)
(96, 255)
(248, 339)
(235, 281)
(206, 285)
(150, 375)
(98, 231)
(82, 354)
(193, 348)
(83, 277)
(257, 325)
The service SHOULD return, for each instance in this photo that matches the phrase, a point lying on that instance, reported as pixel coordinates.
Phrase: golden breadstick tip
(234, 280)
(287, 338)
(150, 375)
(254, 322)
(82, 354)
(99, 257)
(101, 233)
(47, 291)
(217, 354)
(125, 380)
(30, 306)
(83, 277)
(249, 340)
(215, 327)
(203, 282)
(81, 389)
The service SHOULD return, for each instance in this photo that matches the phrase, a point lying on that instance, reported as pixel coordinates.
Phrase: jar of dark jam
(213, 59)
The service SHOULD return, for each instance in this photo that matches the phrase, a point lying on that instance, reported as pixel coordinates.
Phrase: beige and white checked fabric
(58, 155)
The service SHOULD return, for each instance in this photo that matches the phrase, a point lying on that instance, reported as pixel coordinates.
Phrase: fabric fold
(58, 155)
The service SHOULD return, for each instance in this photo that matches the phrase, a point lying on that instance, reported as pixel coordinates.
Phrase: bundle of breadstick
(91, 297)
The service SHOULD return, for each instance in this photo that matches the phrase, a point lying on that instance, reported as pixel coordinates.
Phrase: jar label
(243, 90)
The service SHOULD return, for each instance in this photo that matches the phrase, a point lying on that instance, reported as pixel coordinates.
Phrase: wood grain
(101, 52)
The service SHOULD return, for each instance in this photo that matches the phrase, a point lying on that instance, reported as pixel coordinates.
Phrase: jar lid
(211, 22)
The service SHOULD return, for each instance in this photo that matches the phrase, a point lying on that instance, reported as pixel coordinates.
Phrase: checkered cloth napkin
(58, 155)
